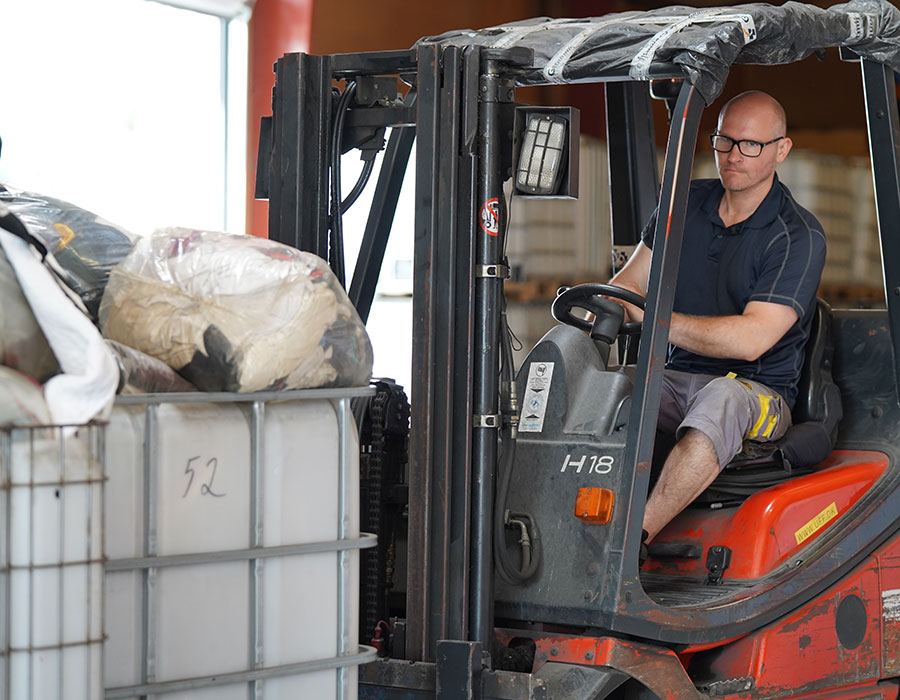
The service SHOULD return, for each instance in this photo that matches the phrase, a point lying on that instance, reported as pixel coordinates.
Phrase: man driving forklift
(745, 298)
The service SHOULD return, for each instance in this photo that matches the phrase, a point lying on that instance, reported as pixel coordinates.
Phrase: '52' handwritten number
(205, 489)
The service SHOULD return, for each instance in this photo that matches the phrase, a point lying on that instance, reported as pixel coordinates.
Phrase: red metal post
(276, 27)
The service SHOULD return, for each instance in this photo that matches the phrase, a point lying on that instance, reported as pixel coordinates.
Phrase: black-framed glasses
(748, 148)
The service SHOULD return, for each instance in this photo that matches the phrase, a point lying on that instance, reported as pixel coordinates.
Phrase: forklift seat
(816, 414)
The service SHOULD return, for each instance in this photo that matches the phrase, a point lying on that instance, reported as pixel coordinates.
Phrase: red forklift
(517, 519)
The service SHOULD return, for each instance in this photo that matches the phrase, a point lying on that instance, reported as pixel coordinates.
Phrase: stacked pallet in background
(820, 183)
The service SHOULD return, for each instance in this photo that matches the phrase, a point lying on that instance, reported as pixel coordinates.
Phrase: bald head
(756, 120)
(764, 109)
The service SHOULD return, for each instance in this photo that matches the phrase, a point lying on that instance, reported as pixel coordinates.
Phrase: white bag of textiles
(236, 313)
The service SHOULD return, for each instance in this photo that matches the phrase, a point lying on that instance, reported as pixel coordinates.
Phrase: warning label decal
(490, 217)
(537, 391)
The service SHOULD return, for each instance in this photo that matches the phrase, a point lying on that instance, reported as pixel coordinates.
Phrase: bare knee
(720, 412)
(696, 446)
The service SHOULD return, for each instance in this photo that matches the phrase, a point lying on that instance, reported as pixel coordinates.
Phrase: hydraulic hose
(368, 166)
(530, 539)
(531, 555)
(336, 247)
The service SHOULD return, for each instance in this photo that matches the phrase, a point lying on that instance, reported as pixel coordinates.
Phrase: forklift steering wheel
(590, 297)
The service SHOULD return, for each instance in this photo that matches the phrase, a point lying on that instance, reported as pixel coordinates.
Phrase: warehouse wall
(364, 25)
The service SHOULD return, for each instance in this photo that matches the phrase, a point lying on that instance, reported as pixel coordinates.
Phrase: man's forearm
(633, 277)
(725, 337)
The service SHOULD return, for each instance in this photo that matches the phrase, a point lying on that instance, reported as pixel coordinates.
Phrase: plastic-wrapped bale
(236, 313)
(85, 245)
(23, 346)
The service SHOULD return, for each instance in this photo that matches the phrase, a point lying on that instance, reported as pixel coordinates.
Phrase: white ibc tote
(51, 563)
(233, 543)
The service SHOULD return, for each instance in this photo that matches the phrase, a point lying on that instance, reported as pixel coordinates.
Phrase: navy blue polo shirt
(776, 255)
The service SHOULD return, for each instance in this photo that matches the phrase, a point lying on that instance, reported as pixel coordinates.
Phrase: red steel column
(276, 27)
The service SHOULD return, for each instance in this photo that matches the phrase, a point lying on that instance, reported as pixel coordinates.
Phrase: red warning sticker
(490, 217)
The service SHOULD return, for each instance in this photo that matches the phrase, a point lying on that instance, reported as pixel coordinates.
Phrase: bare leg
(691, 466)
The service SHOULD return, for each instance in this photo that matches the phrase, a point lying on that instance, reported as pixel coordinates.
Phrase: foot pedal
(718, 559)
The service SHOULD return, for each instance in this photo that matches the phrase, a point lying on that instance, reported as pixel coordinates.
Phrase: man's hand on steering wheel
(633, 312)
(597, 298)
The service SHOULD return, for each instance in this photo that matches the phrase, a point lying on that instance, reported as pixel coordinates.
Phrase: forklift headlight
(547, 161)
(542, 154)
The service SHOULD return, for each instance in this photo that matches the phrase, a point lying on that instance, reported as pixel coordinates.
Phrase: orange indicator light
(594, 505)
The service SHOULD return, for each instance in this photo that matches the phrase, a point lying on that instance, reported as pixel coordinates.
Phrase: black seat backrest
(817, 410)
(818, 397)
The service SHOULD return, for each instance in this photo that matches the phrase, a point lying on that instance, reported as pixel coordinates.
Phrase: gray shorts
(727, 410)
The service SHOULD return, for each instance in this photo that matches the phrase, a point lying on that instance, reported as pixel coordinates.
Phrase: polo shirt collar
(765, 213)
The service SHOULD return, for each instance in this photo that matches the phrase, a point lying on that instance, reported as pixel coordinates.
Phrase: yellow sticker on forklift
(816, 524)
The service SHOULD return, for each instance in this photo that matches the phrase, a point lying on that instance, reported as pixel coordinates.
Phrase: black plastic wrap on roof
(703, 43)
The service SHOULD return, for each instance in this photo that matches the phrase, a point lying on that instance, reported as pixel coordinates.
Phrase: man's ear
(784, 147)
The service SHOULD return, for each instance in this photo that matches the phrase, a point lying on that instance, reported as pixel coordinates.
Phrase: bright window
(132, 109)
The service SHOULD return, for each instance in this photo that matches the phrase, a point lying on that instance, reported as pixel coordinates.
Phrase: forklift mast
(462, 121)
